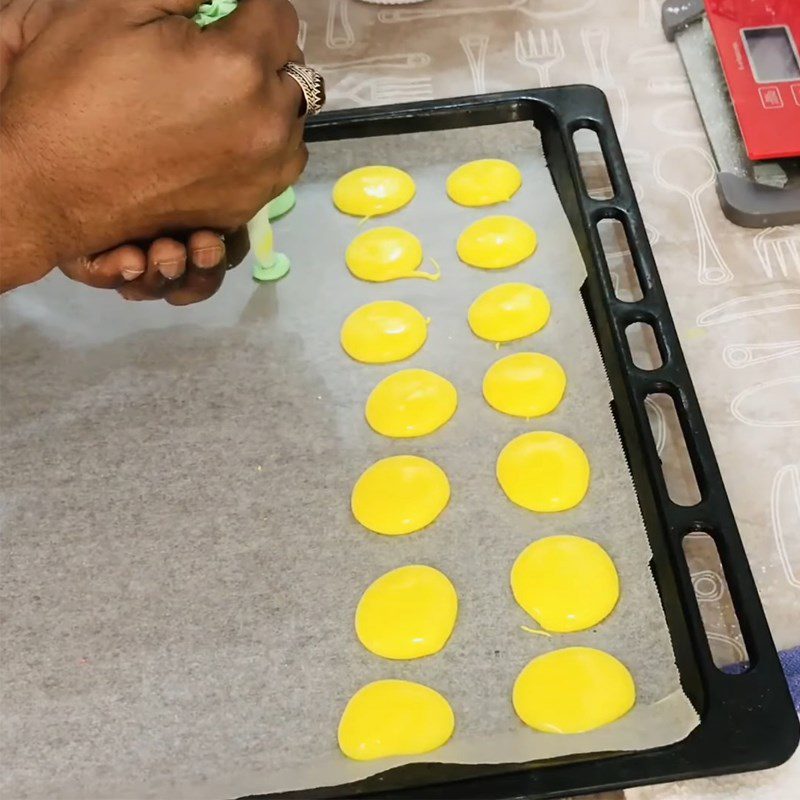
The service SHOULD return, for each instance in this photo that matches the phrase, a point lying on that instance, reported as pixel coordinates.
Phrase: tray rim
(730, 706)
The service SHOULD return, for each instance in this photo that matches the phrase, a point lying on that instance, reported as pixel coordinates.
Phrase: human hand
(179, 272)
(252, 155)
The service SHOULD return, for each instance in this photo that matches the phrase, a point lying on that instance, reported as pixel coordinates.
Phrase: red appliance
(757, 42)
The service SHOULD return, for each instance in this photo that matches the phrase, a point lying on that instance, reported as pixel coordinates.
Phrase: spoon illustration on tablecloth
(749, 306)
(691, 171)
(737, 356)
(785, 507)
(771, 404)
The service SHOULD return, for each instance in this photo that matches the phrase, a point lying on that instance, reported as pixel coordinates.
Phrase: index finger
(266, 27)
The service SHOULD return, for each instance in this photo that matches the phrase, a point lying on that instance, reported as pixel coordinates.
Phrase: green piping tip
(282, 204)
(209, 13)
(279, 268)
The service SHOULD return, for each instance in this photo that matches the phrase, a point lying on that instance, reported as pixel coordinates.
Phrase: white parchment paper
(196, 546)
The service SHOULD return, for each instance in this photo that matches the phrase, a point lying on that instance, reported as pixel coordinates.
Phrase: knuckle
(243, 71)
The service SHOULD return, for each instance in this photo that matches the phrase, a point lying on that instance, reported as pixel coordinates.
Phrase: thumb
(108, 270)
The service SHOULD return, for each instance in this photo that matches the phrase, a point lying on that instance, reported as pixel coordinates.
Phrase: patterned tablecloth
(734, 293)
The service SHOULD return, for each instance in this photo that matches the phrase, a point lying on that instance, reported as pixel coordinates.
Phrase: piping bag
(270, 266)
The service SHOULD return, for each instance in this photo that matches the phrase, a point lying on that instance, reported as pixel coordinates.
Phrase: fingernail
(207, 257)
(172, 269)
(132, 273)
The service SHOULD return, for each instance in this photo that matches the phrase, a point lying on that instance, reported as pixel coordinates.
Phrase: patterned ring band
(311, 83)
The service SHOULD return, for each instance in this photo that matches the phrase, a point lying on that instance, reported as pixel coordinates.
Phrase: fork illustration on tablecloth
(540, 50)
(778, 250)
(339, 34)
(476, 47)
(596, 43)
(530, 8)
(377, 91)
(408, 61)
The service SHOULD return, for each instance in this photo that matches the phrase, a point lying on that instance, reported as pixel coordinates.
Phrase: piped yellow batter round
(525, 385)
(412, 402)
(394, 718)
(573, 690)
(373, 191)
(400, 495)
(508, 312)
(566, 583)
(384, 332)
(543, 471)
(484, 182)
(387, 254)
(497, 243)
(407, 613)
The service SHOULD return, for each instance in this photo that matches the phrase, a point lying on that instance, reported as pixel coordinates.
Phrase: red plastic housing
(757, 42)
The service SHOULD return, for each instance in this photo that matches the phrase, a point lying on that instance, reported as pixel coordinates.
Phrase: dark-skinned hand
(191, 267)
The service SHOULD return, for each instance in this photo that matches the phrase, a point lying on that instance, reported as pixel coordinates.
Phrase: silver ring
(311, 83)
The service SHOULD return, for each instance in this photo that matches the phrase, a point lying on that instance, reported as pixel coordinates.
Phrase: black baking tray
(748, 721)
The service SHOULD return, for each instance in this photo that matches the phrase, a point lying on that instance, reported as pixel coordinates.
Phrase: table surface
(734, 292)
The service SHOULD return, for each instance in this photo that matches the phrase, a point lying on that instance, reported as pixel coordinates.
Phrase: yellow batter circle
(497, 243)
(412, 402)
(525, 385)
(508, 312)
(407, 613)
(565, 583)
(387, 254)
(373, 191)
(384, 332)
(400, 495)
(394, 718)
(543, 471)
(573, 690)
(484, 183)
